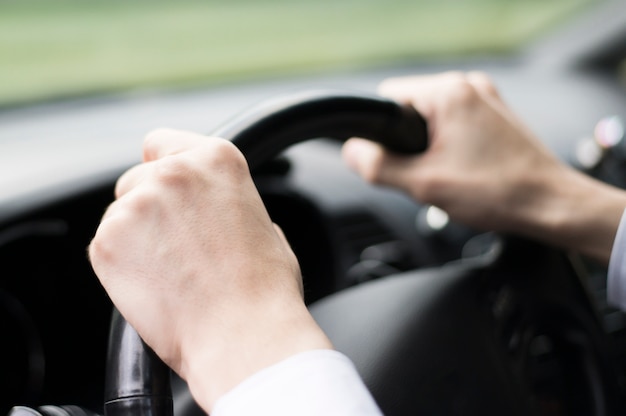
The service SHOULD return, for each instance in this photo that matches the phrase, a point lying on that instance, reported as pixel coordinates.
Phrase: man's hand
(190, 257)
(487, 170)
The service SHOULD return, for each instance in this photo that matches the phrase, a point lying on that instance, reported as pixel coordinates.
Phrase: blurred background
(59, 49)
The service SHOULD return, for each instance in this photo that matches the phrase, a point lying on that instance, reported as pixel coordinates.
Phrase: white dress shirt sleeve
(616, 280)
(318, 382)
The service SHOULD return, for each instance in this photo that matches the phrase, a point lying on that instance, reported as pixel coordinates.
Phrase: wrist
(214, 366)
(571, 210)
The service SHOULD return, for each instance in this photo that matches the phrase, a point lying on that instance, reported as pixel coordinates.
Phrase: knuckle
(103, 248)
(181, 171)
(120, 187)
(463, 92)
(97, 250)
(175, 171)
(152, 142)
(459, 93)
(139, 204)
(480, 77)
(124, 183)
(224, 156)
(483, 82)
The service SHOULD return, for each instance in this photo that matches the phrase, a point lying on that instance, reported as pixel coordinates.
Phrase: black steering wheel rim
(137, 382)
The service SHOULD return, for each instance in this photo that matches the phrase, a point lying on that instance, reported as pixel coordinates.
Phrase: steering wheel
(510, 331)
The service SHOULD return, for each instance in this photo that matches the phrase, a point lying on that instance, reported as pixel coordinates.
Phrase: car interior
(439, 318)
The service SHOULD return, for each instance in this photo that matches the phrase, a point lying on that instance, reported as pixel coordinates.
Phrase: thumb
(378, 166)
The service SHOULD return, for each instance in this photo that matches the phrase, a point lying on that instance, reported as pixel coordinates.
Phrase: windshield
(67, 48)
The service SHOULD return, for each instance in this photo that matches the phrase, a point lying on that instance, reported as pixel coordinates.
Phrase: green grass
(62, 48)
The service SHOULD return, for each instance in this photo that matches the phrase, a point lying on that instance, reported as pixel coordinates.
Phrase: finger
(165, 142)
(95, 245)
(375, 165)
(483, 84)
(424, 92)
(131, 178)
(403, 88)
(406, 89)
(361, 155)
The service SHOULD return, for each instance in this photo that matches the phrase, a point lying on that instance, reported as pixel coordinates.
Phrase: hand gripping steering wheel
(510, 332)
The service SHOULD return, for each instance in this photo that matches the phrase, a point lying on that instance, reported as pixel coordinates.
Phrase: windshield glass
(67, 48)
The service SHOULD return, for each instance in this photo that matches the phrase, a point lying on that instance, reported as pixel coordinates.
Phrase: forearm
(571, 211)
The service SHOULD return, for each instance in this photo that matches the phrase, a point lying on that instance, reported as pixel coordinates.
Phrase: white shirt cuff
(317, 382)
(616, 279)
